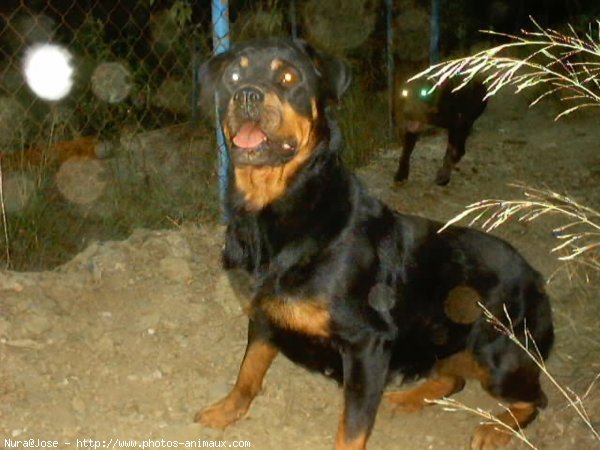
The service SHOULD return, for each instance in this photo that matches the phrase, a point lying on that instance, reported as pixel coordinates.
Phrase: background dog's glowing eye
(404, 93)
(235, 76)
(424, 92)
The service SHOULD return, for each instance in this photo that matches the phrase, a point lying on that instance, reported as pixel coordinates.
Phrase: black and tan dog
(343, 285)
(418, 105)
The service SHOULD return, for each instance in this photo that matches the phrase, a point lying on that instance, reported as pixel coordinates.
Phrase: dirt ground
(129, 339)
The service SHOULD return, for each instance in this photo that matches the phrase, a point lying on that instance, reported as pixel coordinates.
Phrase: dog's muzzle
(249, 100)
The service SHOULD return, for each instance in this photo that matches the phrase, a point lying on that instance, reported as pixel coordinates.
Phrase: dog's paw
(490, 437)
(404, 402)
(442, 177)
(221, 414)
(401, 176)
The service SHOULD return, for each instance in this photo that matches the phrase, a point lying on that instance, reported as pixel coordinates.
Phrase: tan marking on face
(244, 62)
(461, 305)
(306, 316)
(315, 110)
(262, 185)
(276, 64)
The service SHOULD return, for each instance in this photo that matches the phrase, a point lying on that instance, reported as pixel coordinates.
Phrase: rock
(105, 344)
(9, 282)
(4, 328)
(36, 324)
(176, 269)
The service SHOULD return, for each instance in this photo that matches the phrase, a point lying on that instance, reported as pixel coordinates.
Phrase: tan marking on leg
(463, 365)
(257, 360)
(344, 443)
(449, 378)
(415, 399)
(490, 436)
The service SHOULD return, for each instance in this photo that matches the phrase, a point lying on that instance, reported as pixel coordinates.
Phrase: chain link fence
(131, 67)
(98, 143)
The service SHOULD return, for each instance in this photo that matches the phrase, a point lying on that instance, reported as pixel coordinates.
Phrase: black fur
(383, 277)
(417, 105)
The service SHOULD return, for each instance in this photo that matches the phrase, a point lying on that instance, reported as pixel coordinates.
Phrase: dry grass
(559, 63)
(4, 222)
(555, 63)
(578, 234)
(527, 344)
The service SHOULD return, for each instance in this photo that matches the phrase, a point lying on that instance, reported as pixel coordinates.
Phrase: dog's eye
(288, 78)
(424, 93)
(235, 76)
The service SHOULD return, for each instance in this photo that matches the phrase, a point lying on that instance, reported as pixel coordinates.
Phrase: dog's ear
(209, 76)
(335, 73)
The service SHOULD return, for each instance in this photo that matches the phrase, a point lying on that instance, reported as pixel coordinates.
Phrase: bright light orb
(48, 71)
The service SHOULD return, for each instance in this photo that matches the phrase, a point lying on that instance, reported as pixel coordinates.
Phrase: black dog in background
(417, 105)
(343, 285)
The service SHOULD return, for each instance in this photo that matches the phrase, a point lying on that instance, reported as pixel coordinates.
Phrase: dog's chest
(308, 316)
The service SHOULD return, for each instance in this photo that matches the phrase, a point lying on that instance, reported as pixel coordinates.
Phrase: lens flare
(48, 71)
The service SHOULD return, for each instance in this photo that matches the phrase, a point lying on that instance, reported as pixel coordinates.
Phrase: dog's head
(270, 97)
(416, 102)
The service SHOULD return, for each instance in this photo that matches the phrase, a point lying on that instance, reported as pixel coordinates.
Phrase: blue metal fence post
(195, 82)
(220, 22)
(434, 43)
(389, 10)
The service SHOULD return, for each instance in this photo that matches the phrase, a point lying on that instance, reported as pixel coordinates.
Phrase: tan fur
(308, 316)
(257, 360)
(343, 442)
(491, 435)
(276, 64)
(262, 185)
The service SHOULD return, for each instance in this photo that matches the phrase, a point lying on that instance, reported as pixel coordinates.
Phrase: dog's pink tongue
(249, 136)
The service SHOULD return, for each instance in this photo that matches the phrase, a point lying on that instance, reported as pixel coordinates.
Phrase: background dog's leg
(457, 137)
(365, 374)
(410, 139)
(257, 360)
(490, 436)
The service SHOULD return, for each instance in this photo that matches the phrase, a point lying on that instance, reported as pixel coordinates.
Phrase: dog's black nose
(248, 96)
(249, 99)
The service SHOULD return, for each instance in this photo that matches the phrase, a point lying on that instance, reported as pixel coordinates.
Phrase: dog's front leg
(259, 355)
(365, 374)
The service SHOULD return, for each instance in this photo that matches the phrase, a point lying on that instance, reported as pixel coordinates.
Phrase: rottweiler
(341, 284)
(419, 105)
